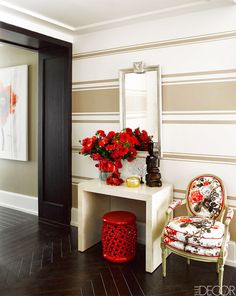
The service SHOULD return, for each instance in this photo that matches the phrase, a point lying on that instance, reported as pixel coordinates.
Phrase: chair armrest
(174, 205)
(229, 217)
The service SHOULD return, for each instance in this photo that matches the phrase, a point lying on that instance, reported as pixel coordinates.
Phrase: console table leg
(156, 207)
(91, 208)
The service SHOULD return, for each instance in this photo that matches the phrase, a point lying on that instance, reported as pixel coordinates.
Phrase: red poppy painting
(13, 112)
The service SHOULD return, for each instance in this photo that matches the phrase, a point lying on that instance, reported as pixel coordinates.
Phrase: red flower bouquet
(143, 139)
(109, 149)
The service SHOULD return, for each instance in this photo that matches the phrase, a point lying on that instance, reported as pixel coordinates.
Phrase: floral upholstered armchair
(202, 235)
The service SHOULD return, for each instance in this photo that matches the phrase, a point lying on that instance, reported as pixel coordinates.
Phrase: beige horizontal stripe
(81, 177)
(95, 114)
(95, 81)
(198, 73)
(75, 183)
(231, 197)
(183, 156)
(102, 100)
(76, 149)
(95, 121)
(199, 121)
(158, 44)
(179, 190)
(200, 96)
(95, 87)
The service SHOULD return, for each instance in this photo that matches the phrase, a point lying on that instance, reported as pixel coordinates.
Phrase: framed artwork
(14, 113)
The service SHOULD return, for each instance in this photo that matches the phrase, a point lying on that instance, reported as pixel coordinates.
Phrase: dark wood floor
(37, 258)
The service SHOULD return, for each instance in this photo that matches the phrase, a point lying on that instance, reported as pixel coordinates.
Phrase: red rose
(110, 135)
(129, 131)
(133, 151)
(137, 131)
(115, 154)
(144, 136)
(110, 166)
(96, 156)
(110, 147)
(124, 137)
(196, 196)
(101, 133)
(82, 150)
(103, 142)
(118, 164)
(134, 141)
(114, 179)
(84, 142)
(123, 151)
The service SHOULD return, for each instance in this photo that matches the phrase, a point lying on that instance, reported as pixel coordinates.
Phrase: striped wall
(199, 107)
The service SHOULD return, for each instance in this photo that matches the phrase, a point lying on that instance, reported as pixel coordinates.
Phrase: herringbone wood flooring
(37, 258)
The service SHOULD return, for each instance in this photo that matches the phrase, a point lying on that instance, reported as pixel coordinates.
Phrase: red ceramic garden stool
(119, 236)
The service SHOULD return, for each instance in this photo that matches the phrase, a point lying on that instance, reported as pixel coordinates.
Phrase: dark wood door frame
(54, 130)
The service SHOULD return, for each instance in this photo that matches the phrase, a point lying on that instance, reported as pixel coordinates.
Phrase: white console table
(94, 202)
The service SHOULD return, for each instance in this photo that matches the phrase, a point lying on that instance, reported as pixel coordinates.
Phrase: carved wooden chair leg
(221, 275)
(217, 267)
(188, 261)
(163, 259)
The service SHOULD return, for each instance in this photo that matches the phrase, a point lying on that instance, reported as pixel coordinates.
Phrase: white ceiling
(79, 15)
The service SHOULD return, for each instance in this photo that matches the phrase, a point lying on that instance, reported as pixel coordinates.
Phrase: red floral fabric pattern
(210, 252)
(205, 197)
(175, 204)
(195, 235)
(196, 231)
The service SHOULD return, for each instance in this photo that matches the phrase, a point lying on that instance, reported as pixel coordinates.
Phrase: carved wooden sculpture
(153, 176)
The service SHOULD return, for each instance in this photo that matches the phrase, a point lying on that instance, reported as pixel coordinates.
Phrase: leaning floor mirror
(141, 100)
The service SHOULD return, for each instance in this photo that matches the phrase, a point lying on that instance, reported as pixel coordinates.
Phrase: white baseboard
(20, 202)
(231, 259)
(74, 217)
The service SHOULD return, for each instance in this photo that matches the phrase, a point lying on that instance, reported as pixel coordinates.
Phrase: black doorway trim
(54, 123)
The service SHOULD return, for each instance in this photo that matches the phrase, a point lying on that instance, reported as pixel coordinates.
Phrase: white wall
(194, 141)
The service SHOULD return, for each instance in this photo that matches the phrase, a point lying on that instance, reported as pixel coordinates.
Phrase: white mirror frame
(122, 74)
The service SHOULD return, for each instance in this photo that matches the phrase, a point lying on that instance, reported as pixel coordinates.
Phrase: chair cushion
(205, 196)
(201, 251)
(196, 231)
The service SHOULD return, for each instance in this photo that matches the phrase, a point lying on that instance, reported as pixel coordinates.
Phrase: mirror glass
(140, 101)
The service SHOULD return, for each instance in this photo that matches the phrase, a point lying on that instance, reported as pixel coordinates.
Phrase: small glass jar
(133, 181)
(104, 175)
